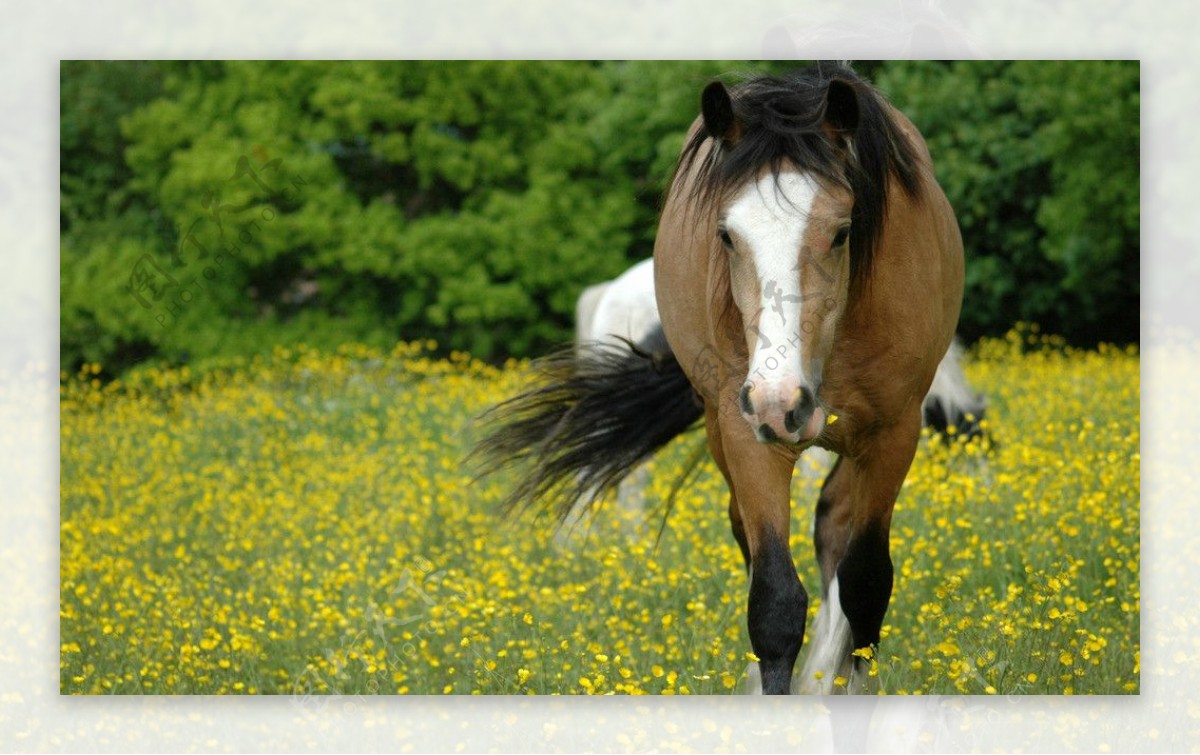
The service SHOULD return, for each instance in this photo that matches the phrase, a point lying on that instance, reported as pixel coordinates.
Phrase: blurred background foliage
(211, 209)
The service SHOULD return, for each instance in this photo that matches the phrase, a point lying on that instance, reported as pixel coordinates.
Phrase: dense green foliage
(1041, 162)
(219, 208)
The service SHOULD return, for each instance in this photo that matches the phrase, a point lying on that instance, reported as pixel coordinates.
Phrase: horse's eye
(726, 239)
(840, 237)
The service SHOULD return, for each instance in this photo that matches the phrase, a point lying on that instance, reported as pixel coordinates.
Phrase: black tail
(592, 417)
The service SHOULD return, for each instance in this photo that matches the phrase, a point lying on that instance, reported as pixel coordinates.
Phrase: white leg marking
(829, 655)
(753, 680)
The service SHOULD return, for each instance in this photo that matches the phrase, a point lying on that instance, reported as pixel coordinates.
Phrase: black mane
(782, 120)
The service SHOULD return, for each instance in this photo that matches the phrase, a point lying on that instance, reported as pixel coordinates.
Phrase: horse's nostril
(744, 400)
(798, 415)
(790, 421)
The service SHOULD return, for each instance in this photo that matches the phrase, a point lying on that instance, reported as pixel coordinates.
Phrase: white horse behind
(623, 308)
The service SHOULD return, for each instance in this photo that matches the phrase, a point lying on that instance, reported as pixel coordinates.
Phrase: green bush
(1041, 162)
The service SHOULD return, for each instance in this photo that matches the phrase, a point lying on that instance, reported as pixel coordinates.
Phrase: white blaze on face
(769, 219)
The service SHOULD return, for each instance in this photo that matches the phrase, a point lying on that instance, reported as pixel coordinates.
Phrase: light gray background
(34, 37)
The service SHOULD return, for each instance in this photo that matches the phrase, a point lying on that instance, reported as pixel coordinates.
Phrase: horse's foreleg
(760, 478)
(776, 612)
(853, 524)
(832, 640)
(865, 571)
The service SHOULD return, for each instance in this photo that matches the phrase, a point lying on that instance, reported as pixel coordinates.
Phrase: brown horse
(808, 272)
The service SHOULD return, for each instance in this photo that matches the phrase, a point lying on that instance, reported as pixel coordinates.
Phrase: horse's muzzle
(781, 414)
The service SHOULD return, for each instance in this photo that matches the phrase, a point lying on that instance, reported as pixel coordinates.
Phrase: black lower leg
(865, 584)
(777, 610)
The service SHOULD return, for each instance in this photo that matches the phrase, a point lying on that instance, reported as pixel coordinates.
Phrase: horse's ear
(716, 108)
(841, 110)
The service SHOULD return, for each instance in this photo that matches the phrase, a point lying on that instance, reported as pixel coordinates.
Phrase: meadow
(302, 524)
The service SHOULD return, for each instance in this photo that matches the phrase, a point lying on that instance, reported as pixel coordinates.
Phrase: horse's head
(796, 213)
(787, 237)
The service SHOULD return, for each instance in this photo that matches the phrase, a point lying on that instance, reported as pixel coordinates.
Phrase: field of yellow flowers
(302, 524)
